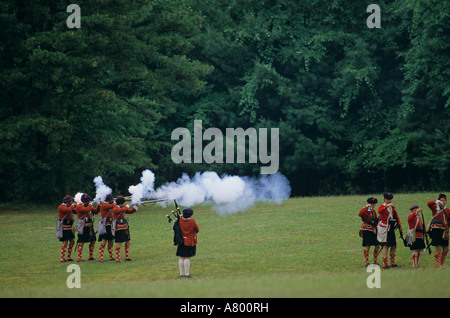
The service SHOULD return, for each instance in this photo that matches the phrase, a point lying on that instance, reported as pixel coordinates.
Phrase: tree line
(358, 109)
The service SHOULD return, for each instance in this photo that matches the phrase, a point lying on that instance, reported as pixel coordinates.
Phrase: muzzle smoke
(229, 194)
(102, 190)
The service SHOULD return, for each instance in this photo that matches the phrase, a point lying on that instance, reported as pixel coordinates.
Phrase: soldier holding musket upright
(439, 228)
(86, 233)
(417, 230)
(65, 211)
(387, 223)
(368, 230)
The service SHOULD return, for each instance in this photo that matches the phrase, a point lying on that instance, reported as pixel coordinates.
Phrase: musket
(425, 234)
(401, 236)
(446, 230)
(153, 202)
(399, 228)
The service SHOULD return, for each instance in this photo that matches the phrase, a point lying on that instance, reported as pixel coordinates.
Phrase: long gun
(425, 234)
(401, 236)
(153, 202)
(445, 234)
(400, 229)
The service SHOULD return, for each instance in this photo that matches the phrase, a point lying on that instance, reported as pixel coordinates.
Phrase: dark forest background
(359, 110)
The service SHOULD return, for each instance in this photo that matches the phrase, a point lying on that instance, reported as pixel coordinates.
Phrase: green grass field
(306, 247)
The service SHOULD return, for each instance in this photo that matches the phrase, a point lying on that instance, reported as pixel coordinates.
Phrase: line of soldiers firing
(112, 210)
(377, 230)
(113, 227)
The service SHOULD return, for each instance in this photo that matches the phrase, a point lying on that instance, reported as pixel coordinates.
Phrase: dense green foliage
(359, 109)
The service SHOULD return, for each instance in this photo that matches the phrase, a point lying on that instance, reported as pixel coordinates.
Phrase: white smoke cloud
(102, 190)
(229, 194)
(77, 197)
(143, 189)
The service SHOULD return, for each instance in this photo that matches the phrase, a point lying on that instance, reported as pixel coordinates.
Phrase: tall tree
(87, 101)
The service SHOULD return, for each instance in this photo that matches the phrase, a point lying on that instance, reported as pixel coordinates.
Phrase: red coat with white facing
(384, 213)
(438, 215)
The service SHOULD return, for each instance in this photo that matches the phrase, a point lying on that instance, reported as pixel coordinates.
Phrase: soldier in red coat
(368, 230)
(86, 233)
(439, 228)
(106, 214)
(122, 228)
(416, 225)
(388, 221)
(65, 211)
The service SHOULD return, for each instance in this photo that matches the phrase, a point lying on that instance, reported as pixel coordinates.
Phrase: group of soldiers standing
(378, 228)
(116, 229)
(110, 211)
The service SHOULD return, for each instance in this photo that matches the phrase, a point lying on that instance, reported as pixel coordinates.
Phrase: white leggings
(184, 263)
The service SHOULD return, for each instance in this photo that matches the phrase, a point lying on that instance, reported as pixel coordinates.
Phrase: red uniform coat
(439, 220)
(65, 212)
(106, 211)
(413, 218)
(85, 211)
(189, 230)
(119, 213)
(383, 211)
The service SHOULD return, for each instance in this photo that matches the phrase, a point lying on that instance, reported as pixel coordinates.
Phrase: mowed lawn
(306, 247)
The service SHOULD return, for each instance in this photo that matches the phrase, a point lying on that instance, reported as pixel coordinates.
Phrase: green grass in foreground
(306, 247)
